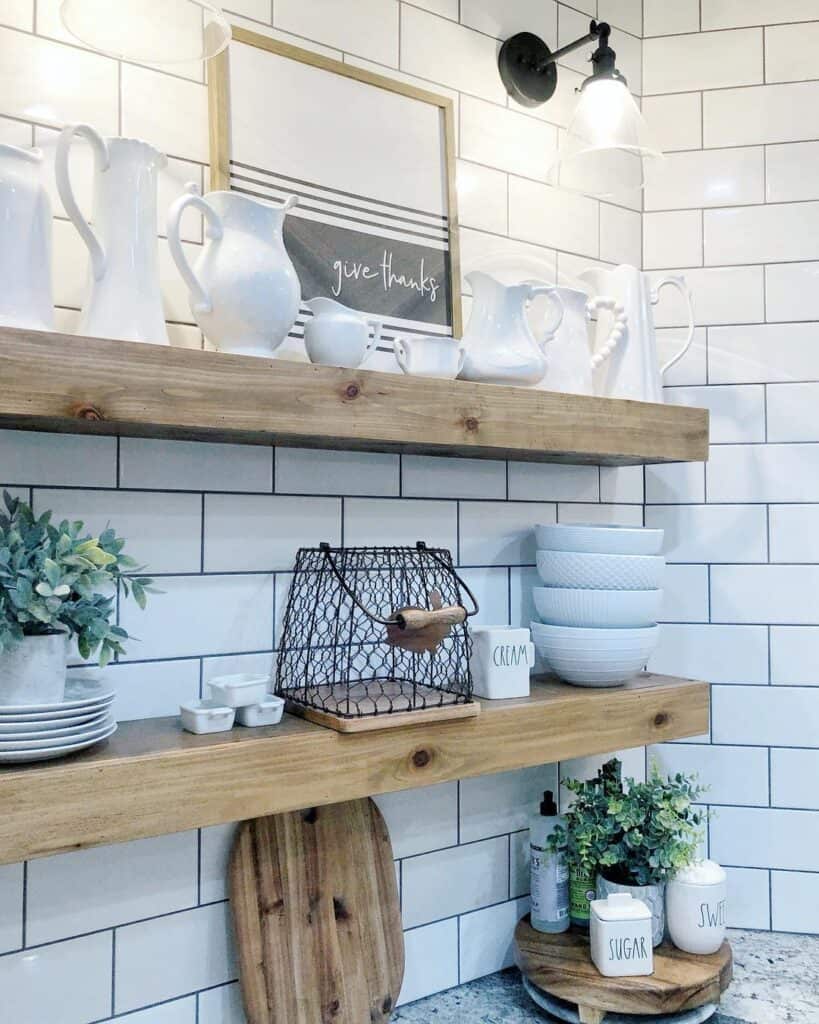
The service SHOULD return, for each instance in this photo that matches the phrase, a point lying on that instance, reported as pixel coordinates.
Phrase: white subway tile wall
(140, 930)
(218, 524)
(737, 210)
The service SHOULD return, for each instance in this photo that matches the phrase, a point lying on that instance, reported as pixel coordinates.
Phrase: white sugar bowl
(621, 939)
(696, 900)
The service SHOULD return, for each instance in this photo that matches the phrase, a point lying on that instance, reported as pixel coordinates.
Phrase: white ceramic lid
(702, 872)
(620, 906)
(238, 681)
(270, 700)
(205, 705)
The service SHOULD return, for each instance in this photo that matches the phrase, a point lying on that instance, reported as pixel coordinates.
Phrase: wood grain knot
(83, 411)
(340, 911)
(471, 424)
(661, 718)
(333, 1008)
(421, 758)
(310, 816)
(386, 1006)
(352, 391)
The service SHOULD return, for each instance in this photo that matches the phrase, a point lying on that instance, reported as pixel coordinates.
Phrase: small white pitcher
(339, 336)
(244, 291)
(123, 297)
(25, 242)
(634, 371)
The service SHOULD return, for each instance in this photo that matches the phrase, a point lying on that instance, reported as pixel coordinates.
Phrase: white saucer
(562, 1010)
(10, 726)
(17, 738)
(54, 716)
(92, 732)
(49, 753)
(79, 693)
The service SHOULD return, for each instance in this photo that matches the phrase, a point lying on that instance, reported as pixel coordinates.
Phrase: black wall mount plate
(523, 69)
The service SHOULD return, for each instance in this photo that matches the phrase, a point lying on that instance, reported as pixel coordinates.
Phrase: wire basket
(373, 634)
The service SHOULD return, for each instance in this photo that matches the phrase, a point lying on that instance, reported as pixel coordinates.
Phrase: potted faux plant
(658, 832)
(634, 835)
(56, 582)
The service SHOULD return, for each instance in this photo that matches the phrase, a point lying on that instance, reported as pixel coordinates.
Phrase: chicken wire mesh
(335, 654)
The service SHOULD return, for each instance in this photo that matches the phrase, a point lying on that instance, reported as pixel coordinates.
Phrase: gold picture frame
(219, 111)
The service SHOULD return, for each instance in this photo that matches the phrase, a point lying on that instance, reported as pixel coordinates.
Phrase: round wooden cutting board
(316, 915)
(561, 965)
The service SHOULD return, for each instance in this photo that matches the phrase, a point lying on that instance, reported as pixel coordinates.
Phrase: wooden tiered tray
(561, 966)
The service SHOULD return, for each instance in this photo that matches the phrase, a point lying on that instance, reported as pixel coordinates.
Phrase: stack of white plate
(40, 732)
(599, 607)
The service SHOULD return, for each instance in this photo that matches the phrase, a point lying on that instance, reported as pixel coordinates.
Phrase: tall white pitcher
(634, 370)
(123, 297)
(25, 241)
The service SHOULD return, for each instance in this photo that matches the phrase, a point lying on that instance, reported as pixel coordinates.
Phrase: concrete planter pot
(34, 671)
(652, 895)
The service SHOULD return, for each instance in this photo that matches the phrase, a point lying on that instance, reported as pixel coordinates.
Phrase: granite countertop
(776, 981)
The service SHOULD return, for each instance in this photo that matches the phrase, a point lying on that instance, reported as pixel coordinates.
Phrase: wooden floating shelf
(152, 778)
(62, 382)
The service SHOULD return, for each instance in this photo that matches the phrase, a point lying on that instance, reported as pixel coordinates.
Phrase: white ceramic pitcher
(500, 347)
(244, 291)
(634, 370)
(336, 335)
(123, 297)
(25, 241)
(571, 361)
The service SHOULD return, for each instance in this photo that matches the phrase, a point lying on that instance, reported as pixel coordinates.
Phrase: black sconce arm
(527, 65)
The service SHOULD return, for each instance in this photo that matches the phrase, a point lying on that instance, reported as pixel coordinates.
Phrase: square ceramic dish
(267, 712)
(239, 691)
(202, 716)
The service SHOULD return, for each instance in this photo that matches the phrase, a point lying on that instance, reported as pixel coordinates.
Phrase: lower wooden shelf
(152, 778)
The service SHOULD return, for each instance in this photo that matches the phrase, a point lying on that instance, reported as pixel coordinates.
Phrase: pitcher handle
(377, 326)
(557, 317)
(213, 229)
(402, 353)
(680, 284)
(102, 160)
(618, 328)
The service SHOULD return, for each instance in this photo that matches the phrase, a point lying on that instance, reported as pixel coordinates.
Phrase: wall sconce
(606, 146)
(148, 31)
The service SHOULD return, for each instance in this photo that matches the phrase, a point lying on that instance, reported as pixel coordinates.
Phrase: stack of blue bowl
(601, 598)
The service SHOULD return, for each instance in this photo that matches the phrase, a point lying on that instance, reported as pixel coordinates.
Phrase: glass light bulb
(606, 147)
(148, 31)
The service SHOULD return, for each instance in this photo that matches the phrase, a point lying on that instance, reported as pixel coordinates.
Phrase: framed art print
(372, 163)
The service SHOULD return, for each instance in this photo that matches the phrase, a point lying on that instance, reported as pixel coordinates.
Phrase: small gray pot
(34, 671)
(652, 895)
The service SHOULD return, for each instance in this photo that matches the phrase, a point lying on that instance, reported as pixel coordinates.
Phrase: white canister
(621, 943)
(501, 660)
(696, 902)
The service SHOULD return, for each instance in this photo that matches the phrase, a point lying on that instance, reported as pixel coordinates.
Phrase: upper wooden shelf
(152, 778)
(62, 382)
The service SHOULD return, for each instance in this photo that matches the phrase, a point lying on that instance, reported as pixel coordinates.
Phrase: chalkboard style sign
(371, 161)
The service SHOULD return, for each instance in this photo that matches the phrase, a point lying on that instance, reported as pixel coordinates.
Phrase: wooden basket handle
(420, 618)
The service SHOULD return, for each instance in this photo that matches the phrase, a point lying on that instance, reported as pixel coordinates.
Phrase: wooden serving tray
(561, 965)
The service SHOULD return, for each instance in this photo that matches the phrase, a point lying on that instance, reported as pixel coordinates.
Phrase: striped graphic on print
(385, 259)
(346, 209)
